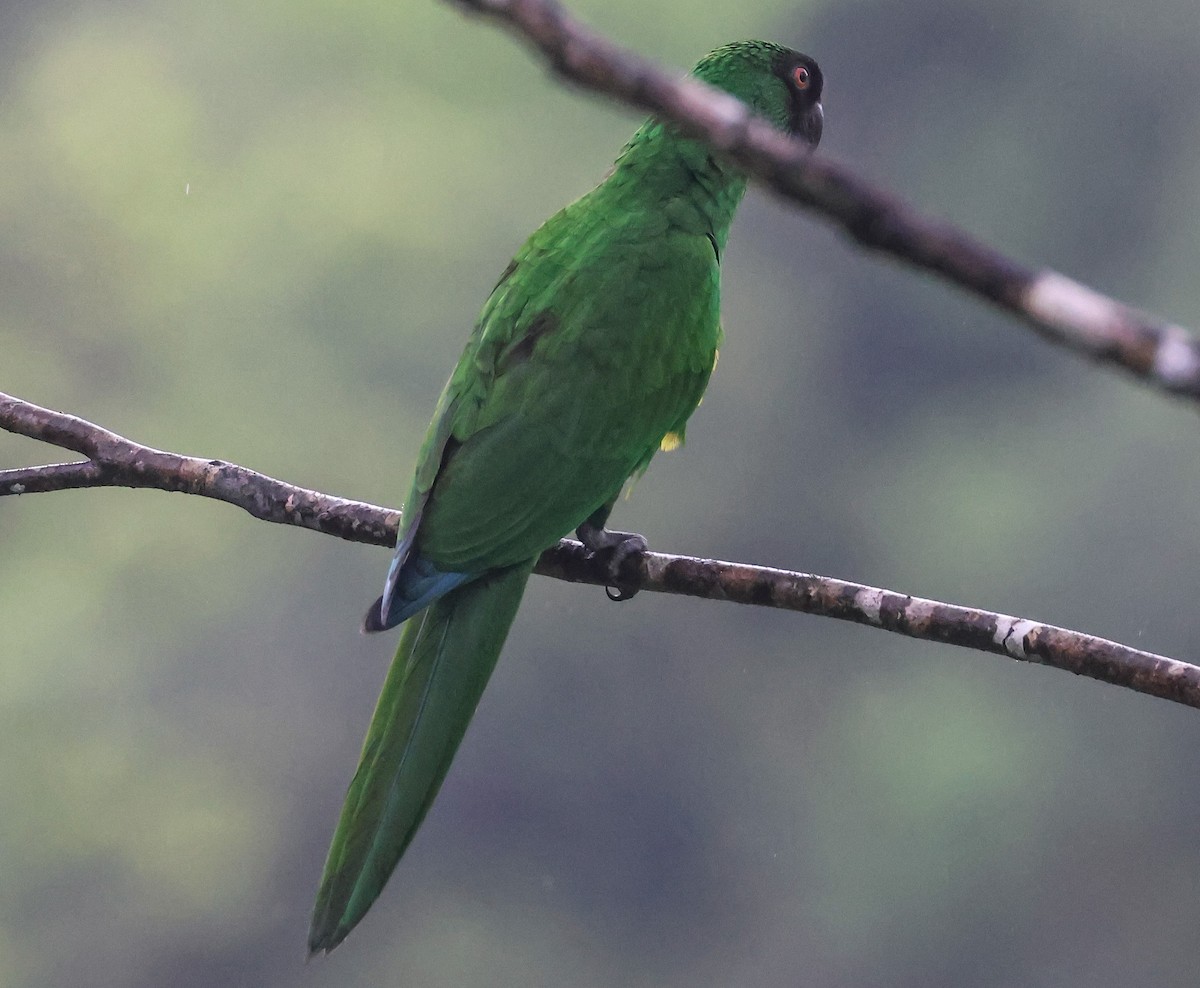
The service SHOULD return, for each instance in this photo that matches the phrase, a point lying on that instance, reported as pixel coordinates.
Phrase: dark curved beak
(811, 125)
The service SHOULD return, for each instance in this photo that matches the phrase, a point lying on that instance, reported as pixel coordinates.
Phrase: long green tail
(445, 656)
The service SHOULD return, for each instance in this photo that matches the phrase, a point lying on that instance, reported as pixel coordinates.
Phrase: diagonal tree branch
(114, 461)
(1063, 311)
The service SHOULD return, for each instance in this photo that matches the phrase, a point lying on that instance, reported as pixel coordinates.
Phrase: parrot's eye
(801, 77)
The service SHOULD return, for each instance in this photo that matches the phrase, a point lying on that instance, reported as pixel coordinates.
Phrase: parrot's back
(598, 343)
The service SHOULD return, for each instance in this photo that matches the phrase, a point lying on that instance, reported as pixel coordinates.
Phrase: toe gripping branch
(617, 546)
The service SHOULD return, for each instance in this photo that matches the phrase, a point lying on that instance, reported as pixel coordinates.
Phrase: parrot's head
(777, 83)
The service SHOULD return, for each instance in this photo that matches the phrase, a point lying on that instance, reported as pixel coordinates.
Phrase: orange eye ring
(801, 77)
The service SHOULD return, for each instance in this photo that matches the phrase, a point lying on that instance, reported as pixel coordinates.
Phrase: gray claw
(619, 546)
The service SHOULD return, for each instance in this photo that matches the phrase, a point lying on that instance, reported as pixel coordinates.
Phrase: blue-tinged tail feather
(416, 584)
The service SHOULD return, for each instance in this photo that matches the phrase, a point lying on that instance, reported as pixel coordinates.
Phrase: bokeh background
(262, 231)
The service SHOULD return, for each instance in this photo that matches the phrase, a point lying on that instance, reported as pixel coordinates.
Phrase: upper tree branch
(114, 461)
(1060, 309)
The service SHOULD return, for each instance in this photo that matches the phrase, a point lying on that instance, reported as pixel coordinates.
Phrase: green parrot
(590, 354)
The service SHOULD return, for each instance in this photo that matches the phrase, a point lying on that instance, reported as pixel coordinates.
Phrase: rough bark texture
(118, 462)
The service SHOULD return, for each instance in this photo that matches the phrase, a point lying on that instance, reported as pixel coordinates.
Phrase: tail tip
(323, 941)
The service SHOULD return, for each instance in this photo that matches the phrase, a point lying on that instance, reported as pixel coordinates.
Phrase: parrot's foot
(618, 546)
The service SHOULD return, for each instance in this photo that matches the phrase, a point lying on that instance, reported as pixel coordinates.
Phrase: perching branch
(113, 461)
(1058, 308)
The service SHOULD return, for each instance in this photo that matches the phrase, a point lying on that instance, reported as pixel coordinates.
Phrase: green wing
(563, 393)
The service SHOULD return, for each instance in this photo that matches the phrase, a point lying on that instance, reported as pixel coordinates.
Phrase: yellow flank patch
(716, 357)
(672, 440)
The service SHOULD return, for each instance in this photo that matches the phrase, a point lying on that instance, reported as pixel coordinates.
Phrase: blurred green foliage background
(262, 232)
